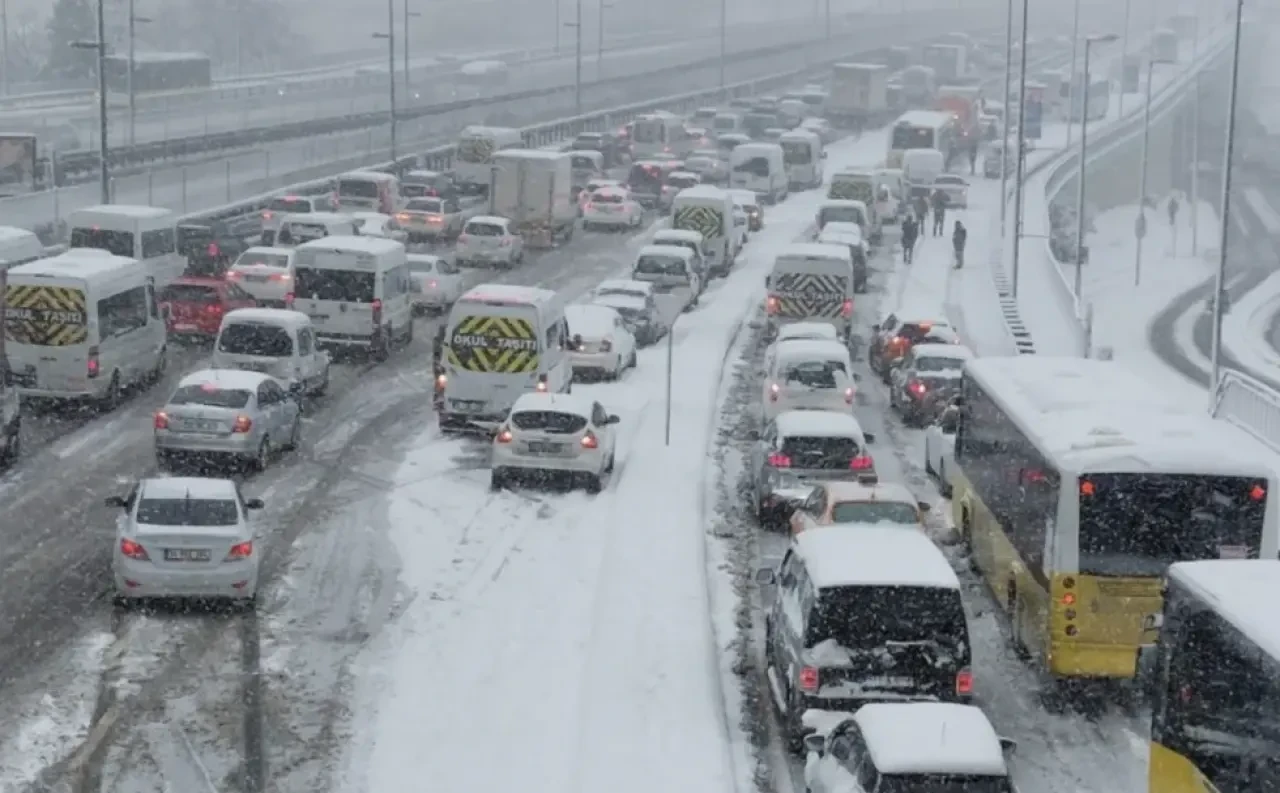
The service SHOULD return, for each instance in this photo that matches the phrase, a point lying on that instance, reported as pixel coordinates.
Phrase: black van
(858, 616)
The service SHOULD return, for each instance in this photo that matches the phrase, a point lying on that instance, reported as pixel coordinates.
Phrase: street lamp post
(577, 64)
(1224, 227)
(5, 58)
(134, 21)
(390, 36)
(1140, 228)
(600, 39)
(1020, 165)
(1084, 142)
(104, 174)
(404, 34)
(1124, 56)
(1195, 140)
(1004, 151)
(1071, 73)
(724, 38)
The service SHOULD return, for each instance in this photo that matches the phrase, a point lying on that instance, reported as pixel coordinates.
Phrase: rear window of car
(484, 229)
(817, 452)
(252, 338)
(425, 205)
(190, 293)
(938, 363)
(874, 512)
(188, 512)
(292, 205)
(865, 617)
(210, 396)
(269, 259)
(344, 286)
(606, 198)
(660, 265)
(548, 421)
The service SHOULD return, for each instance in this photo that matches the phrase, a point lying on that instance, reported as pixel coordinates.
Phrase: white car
(436, 283)
(376, 224)
(488, 240)
(623, 286)
(283, 205)
(955, 187)
(683, 180)
(940, 448)
(611, 208)
(802, 331)
(265, 273)
(597, 184)
(548, 434)
(600, 344)
(808, 375)
(188, 537)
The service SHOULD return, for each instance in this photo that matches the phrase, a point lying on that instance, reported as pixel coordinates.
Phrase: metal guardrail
(1250, 404)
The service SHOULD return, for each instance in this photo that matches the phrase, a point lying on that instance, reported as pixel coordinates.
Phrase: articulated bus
(1215, 694)
(921, 129)
(1078, 484)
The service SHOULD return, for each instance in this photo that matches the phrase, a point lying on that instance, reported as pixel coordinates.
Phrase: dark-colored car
(895, 336)
(193, 306)
(608, 144)
(423, 184)
(925, 381)
(210, 247)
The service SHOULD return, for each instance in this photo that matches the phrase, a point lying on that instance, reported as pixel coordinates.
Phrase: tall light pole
(1124, 56)
(600, 39)
(5, 59)
(1021, 145)
(1004, 151)
(1084, 142)
(558, 25)
(1071, 73)
(577, 65)
(104, 173)
(1225, 227)
(1195, 139)
(390, 36)
(1140, 227)
(134, 21)
(724, 38)
(404, 34)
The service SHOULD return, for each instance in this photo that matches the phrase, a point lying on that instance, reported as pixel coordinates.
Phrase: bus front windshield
(909, 136)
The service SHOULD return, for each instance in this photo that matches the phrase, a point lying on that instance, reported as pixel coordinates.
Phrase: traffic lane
(53, 580)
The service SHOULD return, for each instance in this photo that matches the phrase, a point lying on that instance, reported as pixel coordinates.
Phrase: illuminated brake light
(464, 238)
(774, 389)
(862, 463)
(503, 436)
(809, 679)
(403, 217)
(377, 311)
(288, 299)
(242, 424)
(964, 682)
(779, 460)
(241, 550)
(162, 420)
(847, 309)
(266, 215)
(917, 387)
(589, 441)
(506, 242)
(280, 277)
(233, 275)
(848, 396)
(1087, 488)
(134, 550)
(213, 308)
(1069, 599)
(212, 250)
(541, 387)
(1258, 493)
(92, 365)
(771, 305)
(441, 381)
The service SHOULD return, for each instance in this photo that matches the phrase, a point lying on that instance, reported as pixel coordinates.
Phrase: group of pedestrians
(916, 220)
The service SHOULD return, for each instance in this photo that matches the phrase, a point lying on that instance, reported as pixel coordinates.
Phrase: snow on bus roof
(924, 118)
(1244, 591)
(1097, 416)
(873, 556)
(931, 738)
(507, 293)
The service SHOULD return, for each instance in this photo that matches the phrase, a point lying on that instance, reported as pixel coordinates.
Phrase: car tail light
(918, 388)
(773, 392)
(288, 300)
(771, 305)
(377, 311)
(432, 284)
(541, 387)
(280, 277)
(779, 460)
(589, 206)
(212, 250)
(964, 682)
(809, 679)
(213, 308)
(504, 435)
(1258, 493)
(506, 242)
(161, 420)
(848, 396)
(862, 463)
(441, 381)
(232, 275)
(134, 550)
(94, 368)
(242, 424)
(403, 217)
(464, 238)
(846, 310)
(241, 550)
(606, 345)
(589, 441)
(266, 215)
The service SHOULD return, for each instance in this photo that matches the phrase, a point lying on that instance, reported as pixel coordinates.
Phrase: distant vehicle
(803, 445)
(611, 208)
(432, 219)
(940, 447)
(807, 375)
(376, 224)
(274, 341)
(894, 336)
(491, 240)
(266, 273)
(858, 504)
(436, 282)
(639, 314)
(926, 379)
(193, 307)
(280, 206)
(955, 187)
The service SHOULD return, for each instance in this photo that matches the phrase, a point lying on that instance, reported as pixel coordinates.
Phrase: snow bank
(1246, 329)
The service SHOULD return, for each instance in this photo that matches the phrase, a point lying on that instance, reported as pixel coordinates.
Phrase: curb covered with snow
(1247, 327)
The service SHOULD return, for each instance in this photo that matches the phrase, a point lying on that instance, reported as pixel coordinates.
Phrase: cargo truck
(533, 189)
(948, 61)
(858, 94)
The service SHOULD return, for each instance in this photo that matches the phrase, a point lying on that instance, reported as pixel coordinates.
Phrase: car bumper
(236, 444)
(136, 579)
(431, 300)
(594, 362)
(485, 257)
(510, 461)
(607, 220)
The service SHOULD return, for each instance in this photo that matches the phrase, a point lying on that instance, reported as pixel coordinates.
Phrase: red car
(194, 306)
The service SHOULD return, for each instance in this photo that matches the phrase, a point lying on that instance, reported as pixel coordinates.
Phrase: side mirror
(612, 420)
(1008, 745)
(765, 576)
(254, 503)
(295, 389)
(869, 438)
(824, 155)
(115, 501)
(815, 743)
(753, 435)
(924, 506)
(875, 328)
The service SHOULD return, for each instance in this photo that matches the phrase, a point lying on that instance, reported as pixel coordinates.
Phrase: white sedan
(436, 282)
(955, 187)
(611, 208)
(376, 224)
(488, 239)
(600, 344)
(940, 448)
(548, 434)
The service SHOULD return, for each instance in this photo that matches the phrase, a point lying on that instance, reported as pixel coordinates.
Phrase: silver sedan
(225, 413)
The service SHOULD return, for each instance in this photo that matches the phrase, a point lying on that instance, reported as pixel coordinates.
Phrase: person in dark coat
(940, 201)
(958, 239)
(910, 233)
(921, 205)
(972, 145)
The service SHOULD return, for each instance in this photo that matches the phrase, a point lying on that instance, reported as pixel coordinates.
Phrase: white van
(709, 211)
(501, 341)
(760, 168)
(844, 211)
(803, 155)
(473, 157)
(274, 341)
(83, 325)
(18, 246)
(661, 135)
(811, 282)
(369, 191)
(725, 123)
(693, 240)
(676, 284)
(297, 229)
(357, 292)
(148, 234)
(920, 167)
(863, 187)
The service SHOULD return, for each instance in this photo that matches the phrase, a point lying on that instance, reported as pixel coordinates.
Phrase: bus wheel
(1015, 624)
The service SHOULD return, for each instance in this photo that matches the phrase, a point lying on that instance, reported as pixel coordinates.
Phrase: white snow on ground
(1246, 329)
(572, 633)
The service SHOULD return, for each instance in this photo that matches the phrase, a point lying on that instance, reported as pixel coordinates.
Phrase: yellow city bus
(1077, 484)
(1215, 694)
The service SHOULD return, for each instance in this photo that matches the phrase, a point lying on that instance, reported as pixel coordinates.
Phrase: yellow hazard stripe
(50, 316)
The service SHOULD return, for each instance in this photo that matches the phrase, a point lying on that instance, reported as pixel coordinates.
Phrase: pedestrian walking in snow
(958, 239)
(940, 201)
(910, 233)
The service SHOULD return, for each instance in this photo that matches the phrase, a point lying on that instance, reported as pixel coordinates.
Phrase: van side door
(128, 339)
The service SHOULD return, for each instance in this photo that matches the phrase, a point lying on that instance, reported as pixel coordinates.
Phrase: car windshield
(358, 188)
(841, 215)
(938, 363)
(866, 617)
(210, 396)
(190, 293)
(346, 286)
(874, 512)
(582, 163)
(269, 259)
(682, 181)
(484, 229)
(645, 176)
(294, 206)
(548, 421)
(425, 205)
(252, 338)
(188, 512)
(943, 783)
(660, 265)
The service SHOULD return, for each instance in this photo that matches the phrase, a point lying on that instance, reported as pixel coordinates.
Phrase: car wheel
(593, 483)
(928, 461)
(631, 364)
(113, 396)
(295, 432)
(382, 347)
(944, 485)
(13, 447)
(162, 363)
(616, 375)
(608, 469)
(262, 456)
(497, 479)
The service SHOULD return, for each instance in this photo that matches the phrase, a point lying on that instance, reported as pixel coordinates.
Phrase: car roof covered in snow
(373, 246)
(873, 555)
(78, 263)
(590, 319)
(225, 379)
(891, 492)
(684, 235)
(942, 351)
(1093, 416)
(812, 350)
(625, 284)
(198, 487)
(1244, 592)
(574, 404)
(930, 738)
(621, 301)
(814, 250)
(270, 250)
(806, 331)
(268, 316)
(745, 197)
(842, 203)
(509, 294)
(673, 251)
(489, 219)
(818, 424)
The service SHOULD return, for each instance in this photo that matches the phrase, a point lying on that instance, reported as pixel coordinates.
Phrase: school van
(369, 191)
(661, 134)
(709, 211)
(357, 292)
(803, 155)
(501, 341)
(297, 229)
(83, 325)
(473, 160)
(147, 234)
(760, 168)
(274, 341)
(18, 246)
(811, 282)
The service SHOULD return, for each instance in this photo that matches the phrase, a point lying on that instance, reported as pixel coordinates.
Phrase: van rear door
(341, 302)
(811, 288)
(47, 336)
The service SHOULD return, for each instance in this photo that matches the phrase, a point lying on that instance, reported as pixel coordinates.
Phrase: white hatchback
(266, 273)
(600, 344)
(555, 434)
(436, 282)
(488, 240)
(376, 224)
(808, 375)
(611, 208)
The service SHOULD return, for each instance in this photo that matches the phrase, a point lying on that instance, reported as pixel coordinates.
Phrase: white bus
(921, 129)
(148, 234)
(1078, 483)
(473, 160)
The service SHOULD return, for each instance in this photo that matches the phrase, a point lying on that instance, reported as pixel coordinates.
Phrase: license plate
(320, 317)
(467, 405)
(197, 425)
(256, 279)
(1233, 552)
(888, 682)
(181, 326)
(542, 447)
(187, 555)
